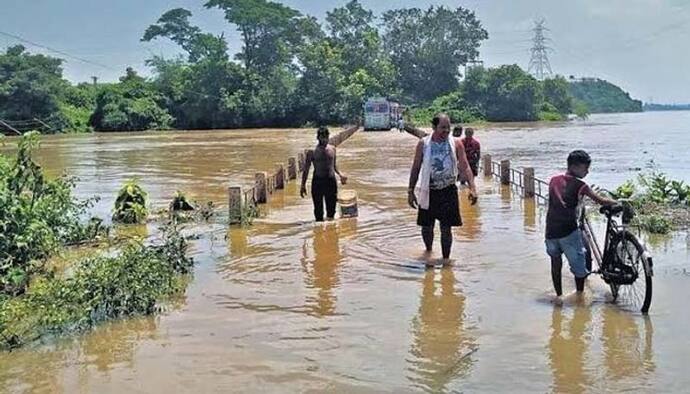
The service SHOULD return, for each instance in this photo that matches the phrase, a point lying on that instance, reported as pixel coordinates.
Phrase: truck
(381, 114)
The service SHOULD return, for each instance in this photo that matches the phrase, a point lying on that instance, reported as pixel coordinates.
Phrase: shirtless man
(324, 187)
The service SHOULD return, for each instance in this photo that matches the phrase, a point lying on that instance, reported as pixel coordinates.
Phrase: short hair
(457, 129)
(437, 118)
(469, 130)
(323, 130)
(579, 157)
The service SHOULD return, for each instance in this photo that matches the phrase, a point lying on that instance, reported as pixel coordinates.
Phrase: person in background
(324, 186)
(472, 150)
(457, 131)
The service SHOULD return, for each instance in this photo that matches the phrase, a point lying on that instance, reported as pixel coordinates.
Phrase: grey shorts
(573, 247)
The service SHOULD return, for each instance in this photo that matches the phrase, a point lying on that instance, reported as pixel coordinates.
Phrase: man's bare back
(323, 159)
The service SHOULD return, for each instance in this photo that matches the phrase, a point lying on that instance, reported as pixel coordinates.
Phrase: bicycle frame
(611, 228)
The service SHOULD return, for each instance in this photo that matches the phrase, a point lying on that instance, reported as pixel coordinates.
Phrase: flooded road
(290, 306)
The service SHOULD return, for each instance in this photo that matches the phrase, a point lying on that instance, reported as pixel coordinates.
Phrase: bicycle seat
(611, 210)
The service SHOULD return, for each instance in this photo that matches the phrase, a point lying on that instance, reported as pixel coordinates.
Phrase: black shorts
(443, 206)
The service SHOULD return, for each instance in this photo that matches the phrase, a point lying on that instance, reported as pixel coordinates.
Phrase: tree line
(291, 70)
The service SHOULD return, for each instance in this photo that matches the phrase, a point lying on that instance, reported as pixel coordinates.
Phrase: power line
(539, 65)
(63, 53)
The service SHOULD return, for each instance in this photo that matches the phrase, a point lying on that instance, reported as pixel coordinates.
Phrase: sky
(640, 45)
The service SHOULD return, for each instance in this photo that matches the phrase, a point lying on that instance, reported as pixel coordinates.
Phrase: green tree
(505, 93)
(271, 32)
(175, 25)
(556, 92)
(511, 95)
(352, 30)
(428, 47)
(131, 105)
(30, 85)
(602, 96)
(319, 92)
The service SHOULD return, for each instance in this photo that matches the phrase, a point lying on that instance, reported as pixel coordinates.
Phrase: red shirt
(472, 150)
(565, 196)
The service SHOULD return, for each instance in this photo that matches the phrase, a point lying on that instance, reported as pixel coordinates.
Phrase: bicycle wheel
(631, 254)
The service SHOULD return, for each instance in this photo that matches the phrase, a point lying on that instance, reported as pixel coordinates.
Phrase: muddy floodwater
(290, 306)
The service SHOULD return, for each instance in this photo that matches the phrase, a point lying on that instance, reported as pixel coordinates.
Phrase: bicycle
(624, 262)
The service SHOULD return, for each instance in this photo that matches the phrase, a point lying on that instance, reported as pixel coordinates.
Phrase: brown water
(287, 306)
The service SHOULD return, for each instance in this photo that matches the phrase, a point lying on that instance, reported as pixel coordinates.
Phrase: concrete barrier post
(505, 172)
(529, 182)
(300, 162)
(488, 165)
(235, 204)
(261, 187)
(280, 176)
(292, 168)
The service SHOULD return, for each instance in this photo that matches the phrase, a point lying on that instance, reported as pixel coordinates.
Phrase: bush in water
(38, 215)
(131, 283)
(130, 205)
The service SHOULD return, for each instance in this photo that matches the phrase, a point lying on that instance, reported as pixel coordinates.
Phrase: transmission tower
(539, 65)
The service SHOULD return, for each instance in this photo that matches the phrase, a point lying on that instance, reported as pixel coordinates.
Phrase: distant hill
(602, 96)
(666, 107)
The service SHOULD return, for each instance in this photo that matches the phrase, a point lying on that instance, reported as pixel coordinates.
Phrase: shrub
(38, 215)
(132, 283)
(653, 223)
(180, 203)
(130, 205)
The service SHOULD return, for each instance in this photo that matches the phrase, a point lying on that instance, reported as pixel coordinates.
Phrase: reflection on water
(626, 351)
(321, 271)
(568, 349)
(442, 348)
(289, 306)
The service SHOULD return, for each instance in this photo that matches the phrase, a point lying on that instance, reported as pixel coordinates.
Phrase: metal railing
(518, 180)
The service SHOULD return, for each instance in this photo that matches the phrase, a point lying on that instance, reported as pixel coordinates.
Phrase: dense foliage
(132, 282)
(662, 203)
(505, 93)
(292, 70)
(133, 104)
(601, 96)
(38, 215)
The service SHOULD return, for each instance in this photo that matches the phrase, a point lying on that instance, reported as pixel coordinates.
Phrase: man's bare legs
(556, 266)
(428, 237)
(446, 241)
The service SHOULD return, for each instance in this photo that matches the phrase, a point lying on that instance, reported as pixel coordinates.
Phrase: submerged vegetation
(130, 205)
(662, 204)
(133, 282)
(39, 218)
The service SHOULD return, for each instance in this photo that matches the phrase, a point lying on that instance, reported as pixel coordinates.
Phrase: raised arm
(305, 174)
(415, 131)
(414, 174)
(464, 167)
